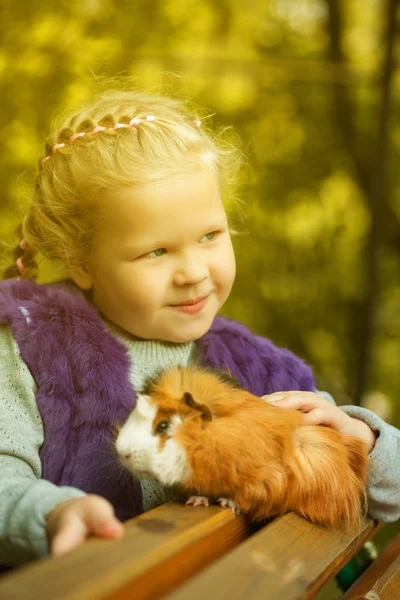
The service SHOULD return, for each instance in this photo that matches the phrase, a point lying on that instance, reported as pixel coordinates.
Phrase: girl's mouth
(191, 307)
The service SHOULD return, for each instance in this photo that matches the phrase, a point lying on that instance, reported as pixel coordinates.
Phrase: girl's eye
(209, 236)
(162, 427)
(157, 252)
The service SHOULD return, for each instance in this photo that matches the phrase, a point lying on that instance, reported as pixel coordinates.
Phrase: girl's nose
(190, 271)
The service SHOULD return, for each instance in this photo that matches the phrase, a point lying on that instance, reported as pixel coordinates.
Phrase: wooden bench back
(382, 579)
(166, 552)
(290, 559)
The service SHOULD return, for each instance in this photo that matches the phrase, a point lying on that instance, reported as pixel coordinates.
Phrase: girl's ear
(82, 277)
(201, 408)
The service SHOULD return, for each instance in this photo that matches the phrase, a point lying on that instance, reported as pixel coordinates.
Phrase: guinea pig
(200, 432)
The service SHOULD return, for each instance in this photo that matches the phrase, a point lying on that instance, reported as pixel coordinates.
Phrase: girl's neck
(130, 337)
(149, 357)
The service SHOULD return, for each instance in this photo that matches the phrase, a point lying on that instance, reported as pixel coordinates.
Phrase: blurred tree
(384, 223)
(306, 86)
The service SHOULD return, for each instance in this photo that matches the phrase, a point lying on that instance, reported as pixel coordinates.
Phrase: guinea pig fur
(196, 430)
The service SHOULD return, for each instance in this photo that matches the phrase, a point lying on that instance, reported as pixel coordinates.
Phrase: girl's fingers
(319, 416)
(281, 394)
(89, 516)
(72, 534)
(305, 402)
(112, 529)
(276, 396)
(100, 519)
(317, 410)
(331, 416)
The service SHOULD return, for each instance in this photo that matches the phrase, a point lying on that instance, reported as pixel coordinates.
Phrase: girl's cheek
(155, 282)
(228, 266)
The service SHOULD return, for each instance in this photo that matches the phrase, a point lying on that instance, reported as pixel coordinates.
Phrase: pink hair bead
(119, 126)
(150, 119)
(57, 147)
(197, 122)
(20, 266)
(23, 244)
(97, 129)
(76, 135)
(134, 122)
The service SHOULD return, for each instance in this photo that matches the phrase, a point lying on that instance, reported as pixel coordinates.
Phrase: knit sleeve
(25, 499)
(383, 484)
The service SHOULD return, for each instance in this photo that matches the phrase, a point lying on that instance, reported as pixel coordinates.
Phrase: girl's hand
(319, 411)
(70, 523)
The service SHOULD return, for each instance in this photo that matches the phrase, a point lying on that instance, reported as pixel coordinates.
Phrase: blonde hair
(78, 171)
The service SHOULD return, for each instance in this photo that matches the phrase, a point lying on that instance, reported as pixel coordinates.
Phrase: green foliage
(308, 122)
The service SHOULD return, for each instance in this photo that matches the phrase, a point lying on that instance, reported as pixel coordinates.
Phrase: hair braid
(26, 255)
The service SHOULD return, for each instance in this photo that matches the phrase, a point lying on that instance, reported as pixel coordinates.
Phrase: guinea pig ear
(201, 408)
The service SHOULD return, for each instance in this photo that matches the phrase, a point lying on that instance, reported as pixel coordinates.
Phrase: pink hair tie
(20, 266)
(76, 135)
(119, 125)
(134, 122)
(150, 119)
(197, 122)
(57, 147)
(45, 159)
(23, 244)
(97, 129)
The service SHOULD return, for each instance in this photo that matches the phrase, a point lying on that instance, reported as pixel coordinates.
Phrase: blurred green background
(311, 87)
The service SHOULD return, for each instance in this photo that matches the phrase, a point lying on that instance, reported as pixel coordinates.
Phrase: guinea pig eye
(162, 427)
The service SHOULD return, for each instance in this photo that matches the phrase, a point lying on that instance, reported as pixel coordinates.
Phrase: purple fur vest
(82, 377)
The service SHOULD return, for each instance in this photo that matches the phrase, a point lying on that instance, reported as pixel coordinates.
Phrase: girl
(128, 197)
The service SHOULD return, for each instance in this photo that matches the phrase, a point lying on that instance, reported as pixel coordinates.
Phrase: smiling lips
(192, 306)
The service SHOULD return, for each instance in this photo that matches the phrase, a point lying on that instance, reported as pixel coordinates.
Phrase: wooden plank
(160, 549)
(290, 559)
(382, 579)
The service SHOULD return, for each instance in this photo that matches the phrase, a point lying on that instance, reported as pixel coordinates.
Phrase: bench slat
(382, 579)
(160, 549)
(290, 559)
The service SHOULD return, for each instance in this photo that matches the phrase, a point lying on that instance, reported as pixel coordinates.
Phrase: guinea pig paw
(198, 501)
(229, 504)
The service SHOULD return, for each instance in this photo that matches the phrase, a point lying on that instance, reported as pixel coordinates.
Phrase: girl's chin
(191, 333)
(173, 331)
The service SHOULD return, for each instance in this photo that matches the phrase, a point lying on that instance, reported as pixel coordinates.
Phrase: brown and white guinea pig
(198, 431)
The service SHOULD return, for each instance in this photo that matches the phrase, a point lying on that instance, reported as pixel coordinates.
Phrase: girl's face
(164, 265)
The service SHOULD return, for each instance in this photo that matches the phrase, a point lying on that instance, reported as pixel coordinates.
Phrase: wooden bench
(381, 581)
(185, 553)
